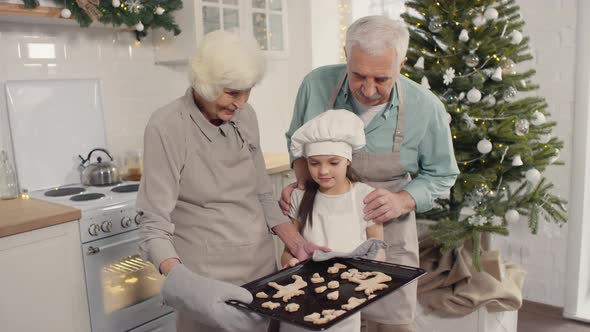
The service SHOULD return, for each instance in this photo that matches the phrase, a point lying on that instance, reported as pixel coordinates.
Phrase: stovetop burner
(128, 188)
(64, 192)
(86, 197)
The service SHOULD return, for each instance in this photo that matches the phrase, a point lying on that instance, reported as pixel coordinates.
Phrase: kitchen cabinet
(266, 20)
(42, 281)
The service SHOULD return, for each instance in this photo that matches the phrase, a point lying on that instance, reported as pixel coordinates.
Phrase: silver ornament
(497, 76)
(521, 127)
(450, 96)
(544, 138)
(482, 190)
(489, 100)
(479, 20)
(159, 11)
(435, 26)
(478, 78)
(509, 93)
(508, 67)
(471, 60)
(139, 26)
(515, 37)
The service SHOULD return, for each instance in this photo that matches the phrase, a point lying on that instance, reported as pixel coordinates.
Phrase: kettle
(100, 173)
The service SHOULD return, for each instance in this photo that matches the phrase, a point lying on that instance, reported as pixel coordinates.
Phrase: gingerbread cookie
(333, 295)
(372, 284)
(292, 307)
(261, 295)
(290, 290)
(316, 278)
(353, 302)
(321, 289)
(270, 305)
(333, 284)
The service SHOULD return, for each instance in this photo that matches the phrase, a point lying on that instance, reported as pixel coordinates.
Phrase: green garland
(127, 15)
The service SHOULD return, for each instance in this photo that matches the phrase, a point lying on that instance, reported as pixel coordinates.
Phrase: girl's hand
(292, 262)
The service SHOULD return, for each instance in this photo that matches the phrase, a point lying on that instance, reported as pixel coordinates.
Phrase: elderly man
(407, 133)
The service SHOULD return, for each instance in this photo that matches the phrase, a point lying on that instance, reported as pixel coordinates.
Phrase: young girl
(330, 210)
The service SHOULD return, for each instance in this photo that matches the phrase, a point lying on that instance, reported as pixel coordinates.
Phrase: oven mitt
(367, 249)
(205, 298)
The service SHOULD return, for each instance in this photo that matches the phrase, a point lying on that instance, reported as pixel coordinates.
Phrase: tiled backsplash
(132, 86)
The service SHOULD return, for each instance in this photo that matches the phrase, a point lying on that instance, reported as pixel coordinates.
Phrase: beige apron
(384, 170)
(237, 259)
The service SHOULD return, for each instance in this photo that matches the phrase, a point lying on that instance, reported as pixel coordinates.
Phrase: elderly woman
(206, 201)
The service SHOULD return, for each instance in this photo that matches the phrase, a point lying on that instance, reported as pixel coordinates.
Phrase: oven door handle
(94, 250)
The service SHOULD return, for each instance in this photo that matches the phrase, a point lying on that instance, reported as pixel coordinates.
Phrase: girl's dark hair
(311, 189)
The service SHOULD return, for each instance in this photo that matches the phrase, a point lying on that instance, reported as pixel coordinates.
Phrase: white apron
(340, 231)
(384, 170)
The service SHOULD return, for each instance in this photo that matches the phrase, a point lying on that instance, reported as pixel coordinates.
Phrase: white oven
(123, 289)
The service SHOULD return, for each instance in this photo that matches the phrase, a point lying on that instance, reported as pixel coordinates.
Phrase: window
(264, 19)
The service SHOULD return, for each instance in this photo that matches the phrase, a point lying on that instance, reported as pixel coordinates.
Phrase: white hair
(374, 34)
(226, 60)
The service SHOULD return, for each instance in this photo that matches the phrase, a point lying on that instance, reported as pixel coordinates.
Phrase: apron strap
(335, 91)
(399, 130)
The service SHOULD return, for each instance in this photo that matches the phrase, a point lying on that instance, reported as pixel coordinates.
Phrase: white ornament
(484, 146)
(496, 221)
(424, 82)
(449, 76)
(533, 176)
(473, 95)
(517, 161)
(461, 95)
(489, 100)
(511, 216)
(65, 13)
(555, 157)
(464, 36)
(468, 121)
(479, 20)
(516, 37)
(160, 11)
(139, 26)
(491, 13)
(134, 5)
(497, 76)
(544, 138)
(538, 118)
(116, 3)
(477, 220)
(419, 63)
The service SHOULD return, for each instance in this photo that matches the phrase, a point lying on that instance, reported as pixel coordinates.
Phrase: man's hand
(382, 205)
(302, 175)
(306, 249)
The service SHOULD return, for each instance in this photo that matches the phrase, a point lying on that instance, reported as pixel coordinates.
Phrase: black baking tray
(311, 302)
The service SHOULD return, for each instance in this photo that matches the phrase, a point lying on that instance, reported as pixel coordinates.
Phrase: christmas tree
(467, 53)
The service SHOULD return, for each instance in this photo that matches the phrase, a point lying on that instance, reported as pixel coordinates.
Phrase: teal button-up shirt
(427, 148)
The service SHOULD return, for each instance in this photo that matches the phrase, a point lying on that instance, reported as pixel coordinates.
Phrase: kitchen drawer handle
(94, 250)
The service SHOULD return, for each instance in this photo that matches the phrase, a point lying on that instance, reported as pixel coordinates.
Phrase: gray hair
(226, 60)
(374, 34)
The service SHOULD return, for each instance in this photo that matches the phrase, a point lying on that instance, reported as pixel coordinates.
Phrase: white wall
(133, 87)
(551, 25)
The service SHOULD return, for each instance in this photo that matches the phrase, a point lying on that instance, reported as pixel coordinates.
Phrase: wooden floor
(534, 317)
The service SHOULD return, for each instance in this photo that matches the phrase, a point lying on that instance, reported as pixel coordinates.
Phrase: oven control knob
(138, 218)
(94, 229)
(106, 226)
(126, 222)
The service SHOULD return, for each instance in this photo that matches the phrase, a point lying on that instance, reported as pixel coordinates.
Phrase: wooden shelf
(21, 10)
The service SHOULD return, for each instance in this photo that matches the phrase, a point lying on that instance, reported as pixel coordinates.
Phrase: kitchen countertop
(276, 162)
(23, 215)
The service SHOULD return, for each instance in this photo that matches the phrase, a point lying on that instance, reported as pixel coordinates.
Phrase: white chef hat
(333, 132)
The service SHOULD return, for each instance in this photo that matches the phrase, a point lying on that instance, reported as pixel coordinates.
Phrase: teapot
(100, 173)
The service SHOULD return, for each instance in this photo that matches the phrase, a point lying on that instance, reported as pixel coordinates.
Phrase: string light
(344, 20)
